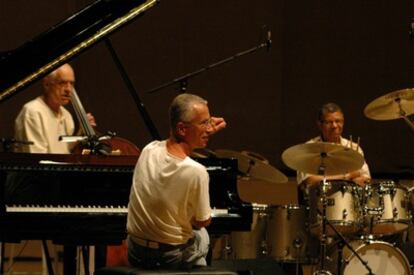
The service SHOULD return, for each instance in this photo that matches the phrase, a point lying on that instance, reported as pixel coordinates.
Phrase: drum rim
(289, 206)
(369, 242)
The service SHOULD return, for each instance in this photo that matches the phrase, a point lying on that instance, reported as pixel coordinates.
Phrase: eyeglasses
(63, 83)
(331, 122)
(203, 124)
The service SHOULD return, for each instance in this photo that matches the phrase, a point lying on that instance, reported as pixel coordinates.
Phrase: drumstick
(358, 144)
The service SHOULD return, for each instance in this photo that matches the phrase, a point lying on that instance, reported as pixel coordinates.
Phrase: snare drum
(288, 236)
(251, 244)
(386, 208)
(343, 208)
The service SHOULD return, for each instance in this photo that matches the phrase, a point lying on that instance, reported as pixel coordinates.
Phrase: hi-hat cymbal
(254, 167)
(322, 158)
(393, 105)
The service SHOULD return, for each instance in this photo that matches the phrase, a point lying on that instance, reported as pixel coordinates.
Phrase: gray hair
(53, 74)
(181, 108)
(328, 108)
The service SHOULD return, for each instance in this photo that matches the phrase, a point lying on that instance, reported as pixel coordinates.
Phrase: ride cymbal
(322, 158)
(394, 105)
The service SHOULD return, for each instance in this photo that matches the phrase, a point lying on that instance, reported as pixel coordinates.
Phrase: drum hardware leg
(298, 244)
(339, 263)
(227, 247)
(263, 248)
(371, 225)
(324, 201)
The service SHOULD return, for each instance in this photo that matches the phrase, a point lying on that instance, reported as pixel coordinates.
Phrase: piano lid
(64, 41)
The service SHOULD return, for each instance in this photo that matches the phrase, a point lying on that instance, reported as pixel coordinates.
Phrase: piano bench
(126, 270)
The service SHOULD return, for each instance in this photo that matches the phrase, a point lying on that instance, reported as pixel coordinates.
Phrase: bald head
(58, 86)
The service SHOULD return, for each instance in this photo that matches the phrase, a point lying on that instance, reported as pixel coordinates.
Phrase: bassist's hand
(91, 119)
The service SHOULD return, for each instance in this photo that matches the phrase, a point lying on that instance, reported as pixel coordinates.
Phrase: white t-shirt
(38, 123)
(166, 193)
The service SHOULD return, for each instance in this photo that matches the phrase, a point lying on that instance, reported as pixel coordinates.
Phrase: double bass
(92, 143)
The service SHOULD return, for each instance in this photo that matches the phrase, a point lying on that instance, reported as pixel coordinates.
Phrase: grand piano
(82, 199)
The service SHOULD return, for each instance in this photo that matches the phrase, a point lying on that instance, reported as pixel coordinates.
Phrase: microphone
(268, 40)
(411, 31)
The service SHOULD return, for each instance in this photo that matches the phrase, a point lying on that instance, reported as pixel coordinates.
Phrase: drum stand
(325, 223)
(322, 270)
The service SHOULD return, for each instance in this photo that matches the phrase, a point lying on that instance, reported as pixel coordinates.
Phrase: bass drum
(288, 236)
(251, 244)
(383, 259)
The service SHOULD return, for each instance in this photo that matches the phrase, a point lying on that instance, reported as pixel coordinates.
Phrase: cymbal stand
(403, 114)
(322, 270)
(325, 223)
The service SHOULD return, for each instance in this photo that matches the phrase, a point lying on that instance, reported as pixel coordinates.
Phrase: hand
(356, 177)
(91, 119)
(217, 124)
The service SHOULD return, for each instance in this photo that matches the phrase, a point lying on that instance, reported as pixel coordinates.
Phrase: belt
(158, 245)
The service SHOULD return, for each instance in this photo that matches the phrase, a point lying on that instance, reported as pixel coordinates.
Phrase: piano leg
(85, 256)
(47, 255)
(69, 259)
(2, 250)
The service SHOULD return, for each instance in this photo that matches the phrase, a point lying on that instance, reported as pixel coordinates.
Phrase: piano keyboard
(216, 212)
(66, 209)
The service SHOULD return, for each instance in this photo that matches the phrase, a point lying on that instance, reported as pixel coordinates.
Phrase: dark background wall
(349, 52)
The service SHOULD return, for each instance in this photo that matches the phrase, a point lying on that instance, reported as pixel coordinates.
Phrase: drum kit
(342, 225)
(279, 229)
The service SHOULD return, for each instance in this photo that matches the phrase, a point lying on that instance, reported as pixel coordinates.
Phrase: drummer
(331, 123)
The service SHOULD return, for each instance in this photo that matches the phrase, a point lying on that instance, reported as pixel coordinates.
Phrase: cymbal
(314, 158)
(393, 105)
(254, 167)
(264, 192)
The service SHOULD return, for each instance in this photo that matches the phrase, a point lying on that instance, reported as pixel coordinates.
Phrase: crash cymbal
(393, 105)
(322, 158)
(251, 165)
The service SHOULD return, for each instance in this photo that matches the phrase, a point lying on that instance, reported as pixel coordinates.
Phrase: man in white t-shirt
(44, 119)
(169, 204)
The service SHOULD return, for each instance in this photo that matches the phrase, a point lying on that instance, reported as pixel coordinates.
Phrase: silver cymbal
(322, 158)
(251, 165)
(393, 105)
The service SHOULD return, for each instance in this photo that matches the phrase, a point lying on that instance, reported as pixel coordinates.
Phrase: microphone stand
(183, 80)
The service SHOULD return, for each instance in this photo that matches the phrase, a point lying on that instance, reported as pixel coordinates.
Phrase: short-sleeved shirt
(39, 124)
(166, 193)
